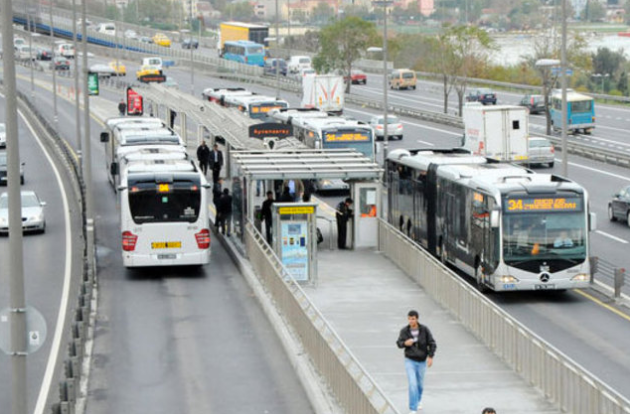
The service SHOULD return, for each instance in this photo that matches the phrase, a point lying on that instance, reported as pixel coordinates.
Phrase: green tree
(593, 12)
(342, 43)
(322, 13)
(622, 83)
(607, 61)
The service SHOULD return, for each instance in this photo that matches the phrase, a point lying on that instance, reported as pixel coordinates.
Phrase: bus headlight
(582, 277)
(508, 279)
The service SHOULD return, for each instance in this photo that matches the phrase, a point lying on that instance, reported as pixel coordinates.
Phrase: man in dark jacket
(203, 155)
(225, 213)
(344, 213)
(122, 107)
(286, 196)
(216, 162)
(266, 214)
(419, 348)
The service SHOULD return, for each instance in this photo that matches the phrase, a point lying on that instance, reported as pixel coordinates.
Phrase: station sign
(135, 105)
(153, 77)
(270, 130)
(93, 86)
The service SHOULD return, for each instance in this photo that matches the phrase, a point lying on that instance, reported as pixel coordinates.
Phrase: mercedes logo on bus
(544, 277)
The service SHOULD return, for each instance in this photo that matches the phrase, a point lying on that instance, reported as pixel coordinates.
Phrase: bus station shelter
(310, 165)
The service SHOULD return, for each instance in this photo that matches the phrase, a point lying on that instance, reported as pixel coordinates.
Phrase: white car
(394, 127)
(296, 63)
(131, 34)
(32, 213)
(541, 151)
(3, 136)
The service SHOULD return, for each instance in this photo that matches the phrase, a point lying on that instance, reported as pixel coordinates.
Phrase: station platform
(365, 298)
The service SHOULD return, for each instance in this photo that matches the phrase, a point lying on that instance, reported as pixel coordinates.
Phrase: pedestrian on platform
(216, 162)
(286, 196)
(344, 213)
(420, 348)
(265, 212)
(225, 213)
(488, 410)
(122, 107)
(203, 155)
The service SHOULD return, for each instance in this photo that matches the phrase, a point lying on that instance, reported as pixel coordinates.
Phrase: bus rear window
(407, 75)
(150, 202)
(255, 50)
(581, 106)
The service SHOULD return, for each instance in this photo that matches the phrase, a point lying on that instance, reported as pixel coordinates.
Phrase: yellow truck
(232, 31)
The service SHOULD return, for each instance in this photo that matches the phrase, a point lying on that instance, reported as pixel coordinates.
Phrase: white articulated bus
(218, 95)
(503, 225)
(133, 154)
(163, 214)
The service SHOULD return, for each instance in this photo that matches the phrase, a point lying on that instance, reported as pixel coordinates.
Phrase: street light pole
(15, 260)
(54, 72)
(384, 4)
(77, 100)
(276, 61)
(563, 78)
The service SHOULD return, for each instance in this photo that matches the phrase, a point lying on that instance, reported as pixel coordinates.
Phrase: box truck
(324, 92)
(498, 132)
(234, 31)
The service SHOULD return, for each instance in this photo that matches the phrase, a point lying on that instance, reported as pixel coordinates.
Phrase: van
(65, 49)
(402, 78)
(154, 61)
(296, 63)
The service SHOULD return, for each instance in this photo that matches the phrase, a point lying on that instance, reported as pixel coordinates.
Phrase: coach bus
(244, 51)
(163, 214)
(580, 112)
(503, 225)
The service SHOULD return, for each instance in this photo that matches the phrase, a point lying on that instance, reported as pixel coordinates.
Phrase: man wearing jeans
(419, 348)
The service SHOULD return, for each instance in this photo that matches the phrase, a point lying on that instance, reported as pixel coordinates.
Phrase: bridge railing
(571, 387)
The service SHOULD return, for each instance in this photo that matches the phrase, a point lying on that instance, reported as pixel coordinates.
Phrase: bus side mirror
(104, 137)
(592, 221)
(113, 168)
(494, 219)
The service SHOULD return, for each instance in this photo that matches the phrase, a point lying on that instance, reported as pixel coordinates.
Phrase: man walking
(122, 107)
(344, 213)
(216, 162)
(265, 212)
(203, 155)
(225, 213)
(419, 348)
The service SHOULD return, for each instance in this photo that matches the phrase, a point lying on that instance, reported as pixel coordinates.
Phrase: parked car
(270, 66)
(535, 103)
(3, 169)
(60, 63)
(541, 151)
(43, 53)
(3, 136)
(485, 96)
(619, 206)
(357, 77)
(33, 218)
(190, 43)
(394, 127)
(161, 39)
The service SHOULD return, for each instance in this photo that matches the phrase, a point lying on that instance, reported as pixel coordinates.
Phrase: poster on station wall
(134, 102)
(295, 249)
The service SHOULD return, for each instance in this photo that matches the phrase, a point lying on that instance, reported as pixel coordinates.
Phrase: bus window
(581, 106)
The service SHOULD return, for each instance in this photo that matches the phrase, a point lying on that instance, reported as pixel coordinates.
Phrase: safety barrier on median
(350, 383)
(564, 382)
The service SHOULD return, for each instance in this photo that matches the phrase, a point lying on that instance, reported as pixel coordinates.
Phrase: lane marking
(605, 305)
(610, 236)
(596, 170)
(426, 143)
(408, 123)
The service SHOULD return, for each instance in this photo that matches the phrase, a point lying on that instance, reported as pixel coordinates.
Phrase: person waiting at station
(216, 162)
(265, 212)
(203, 156)
(286, 196)
(344, 213)
(224, 211)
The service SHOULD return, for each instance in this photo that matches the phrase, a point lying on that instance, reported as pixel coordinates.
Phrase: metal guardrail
(571, 387)
(351, 384)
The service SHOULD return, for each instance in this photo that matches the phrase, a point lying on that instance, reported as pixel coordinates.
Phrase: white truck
(498, 132)
(324, 92)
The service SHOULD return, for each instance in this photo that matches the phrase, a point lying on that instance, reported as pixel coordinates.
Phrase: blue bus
(580, 112)
(244, 51)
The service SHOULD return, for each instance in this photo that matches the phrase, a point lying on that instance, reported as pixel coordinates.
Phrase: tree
(593, 12)
(458, 50)
(322, 13)
(607, 61)
(341, 43)
(622, 83)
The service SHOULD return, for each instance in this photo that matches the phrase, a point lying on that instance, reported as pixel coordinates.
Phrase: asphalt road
(184, 340)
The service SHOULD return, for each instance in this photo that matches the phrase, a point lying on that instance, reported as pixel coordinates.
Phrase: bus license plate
(166, 245)
(544, 287)
(167, 256)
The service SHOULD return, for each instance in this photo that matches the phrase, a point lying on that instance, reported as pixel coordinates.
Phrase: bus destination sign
(542, 205)
(264, 108)
(346, 136)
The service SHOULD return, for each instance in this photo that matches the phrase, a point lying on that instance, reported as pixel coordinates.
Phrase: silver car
(541, 151)
(394, 127)
(32, 213)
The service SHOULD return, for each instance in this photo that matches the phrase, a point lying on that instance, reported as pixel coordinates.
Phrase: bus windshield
(357, 138)
(537, 230)
(151, 202)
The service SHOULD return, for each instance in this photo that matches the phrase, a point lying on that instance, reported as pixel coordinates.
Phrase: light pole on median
(54, 69)
(384, 4)
(276, 61)
(545, 66)
(77, 100)
(563, 79)
(31, 57)
(601, 76)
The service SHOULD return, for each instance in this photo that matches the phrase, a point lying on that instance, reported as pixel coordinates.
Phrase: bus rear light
(129, 241)
(203, 239)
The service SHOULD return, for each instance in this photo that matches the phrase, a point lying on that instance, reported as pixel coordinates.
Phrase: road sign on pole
(557, 71)
(93, 83)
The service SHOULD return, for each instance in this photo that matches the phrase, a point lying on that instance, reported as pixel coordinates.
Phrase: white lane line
(572, 164)
(610, 236)
(61, 317)
(410, 123)
(426, 143)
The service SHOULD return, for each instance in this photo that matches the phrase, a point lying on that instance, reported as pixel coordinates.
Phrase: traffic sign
(93, 83)
(36, 330)
(557, 71)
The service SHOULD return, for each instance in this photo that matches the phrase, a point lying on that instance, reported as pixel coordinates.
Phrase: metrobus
(498, 223)
(133, 154)
(286, 115)
(244, 51)
(333, 132)
(255, 106)
(163, 214)
(580, 112)
(219, 95)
